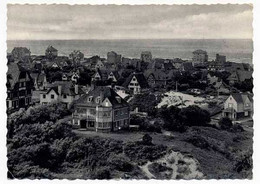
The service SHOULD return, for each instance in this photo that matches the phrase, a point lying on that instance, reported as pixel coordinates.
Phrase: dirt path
(183, 166)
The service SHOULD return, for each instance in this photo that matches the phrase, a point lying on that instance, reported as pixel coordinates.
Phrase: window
(44, 96)
(230, 105)
(64, 96)
(100, 125)
(134, 79)
(98, 100)
(246, 113)
(52, 96)
(92, 111)
(90, 99)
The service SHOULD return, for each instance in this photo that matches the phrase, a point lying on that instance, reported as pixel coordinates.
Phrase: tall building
(200, 56)
(51, 52)
(113, 57)
(220, 58)
(146, 56)
(101, 110)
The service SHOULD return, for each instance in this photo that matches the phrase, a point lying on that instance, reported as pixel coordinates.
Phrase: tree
(225, 123)
(194, 116)
(147, 139)
(171, 118)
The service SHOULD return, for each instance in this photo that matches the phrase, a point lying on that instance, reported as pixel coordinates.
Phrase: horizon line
(131, 39)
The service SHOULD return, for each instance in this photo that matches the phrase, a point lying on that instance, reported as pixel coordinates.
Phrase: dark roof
(67, 88)
(50, 48)
(140, 78)
(101, 92)
(13, 73)
(187, 66)
(199, 51)
(241, 97)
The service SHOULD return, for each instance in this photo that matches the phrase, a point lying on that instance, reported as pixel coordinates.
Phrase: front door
(83, 124)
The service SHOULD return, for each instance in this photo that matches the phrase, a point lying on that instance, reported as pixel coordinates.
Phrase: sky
(66, 22)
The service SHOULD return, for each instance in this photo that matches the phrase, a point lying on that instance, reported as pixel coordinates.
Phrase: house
(21, 54)
(157, 77)
(63, 91)
(51, 52)
(77, 57)
(131, 63)
(19, 87)
(220, 58)
(113, 57)
(222, 88)
(39, 80)
(239, 76)
(199, 56)
(187, 67)
(136, 82)
(177, 63)
(101, 110)
(216, 66)
(238, 105)
(146, 56)
(160, 64)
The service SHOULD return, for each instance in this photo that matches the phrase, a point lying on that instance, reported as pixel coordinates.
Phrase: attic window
(118, 99)
(98, 100)
(90, 98)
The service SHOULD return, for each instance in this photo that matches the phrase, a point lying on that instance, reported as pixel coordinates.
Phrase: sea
(235, 50)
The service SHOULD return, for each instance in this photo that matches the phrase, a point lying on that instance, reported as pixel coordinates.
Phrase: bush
(144, 124)
(194, 116)
(120, 163)
(147, 139)
(171, 118)
(101, 173)
(225, 123)
(199, 141)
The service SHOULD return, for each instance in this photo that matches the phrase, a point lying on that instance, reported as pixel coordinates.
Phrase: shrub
(144, 124)
(120, 163)
(199, 141)
(194, 116)
(101, 173)
(147, 139)
(225, 123)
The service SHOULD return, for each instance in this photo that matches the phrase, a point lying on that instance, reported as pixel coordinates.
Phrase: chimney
(76, 88)
(59, 89)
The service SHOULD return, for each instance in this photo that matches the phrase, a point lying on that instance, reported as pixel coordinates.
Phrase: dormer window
(98, 100)
(90, 98)
(118, 99)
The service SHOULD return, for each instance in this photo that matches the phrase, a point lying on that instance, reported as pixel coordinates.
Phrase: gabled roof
(50, 48)
(140, 79)
(241, 97)
(199, 51)
(101, 92)
(67, 88)
(104, 74)
(13, 73)
(187, 66)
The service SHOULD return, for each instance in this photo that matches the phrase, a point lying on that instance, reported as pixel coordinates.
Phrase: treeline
(173, 119)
